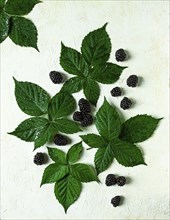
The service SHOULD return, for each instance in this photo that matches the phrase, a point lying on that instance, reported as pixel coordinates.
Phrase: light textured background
(141, 27)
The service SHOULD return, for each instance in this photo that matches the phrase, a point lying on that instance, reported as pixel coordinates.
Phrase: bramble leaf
(96, 46)
(67, 191)
(31, 98)
(138, 128)
(23, 32)
(74, 153)
(108, 121)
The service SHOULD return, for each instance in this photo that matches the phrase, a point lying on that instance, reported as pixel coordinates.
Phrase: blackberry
(110, 180)
(116, 91)
(78, 116)
(132, 81)
(120, 55)
(116, 201)
(60, 140)
(84, 105)
(125, 103)
(56, 77)
(121, 181)
(39, 158)
(87, 120)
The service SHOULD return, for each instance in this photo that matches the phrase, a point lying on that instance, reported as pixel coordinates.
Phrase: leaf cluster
(20, 30)
(35, 101)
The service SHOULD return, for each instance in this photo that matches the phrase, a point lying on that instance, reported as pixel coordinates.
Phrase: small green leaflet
(31, 98)
(74, 153)
(96, 46)
(35, 101)
(117, 140)
(90, 66)
(20, 7)
(138, 128)
(22, 32)
(67, 191)
(4, 26)
(61, 105)
(67, 175)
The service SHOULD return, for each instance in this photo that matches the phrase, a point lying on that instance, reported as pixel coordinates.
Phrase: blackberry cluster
(116, 92)
(110, 180)
(132, 81)
(60, 140)
(56, 77)
(39, 159)
(126, 103)
(83, 116)
(120, 55)
(116, 201)
(84, 106)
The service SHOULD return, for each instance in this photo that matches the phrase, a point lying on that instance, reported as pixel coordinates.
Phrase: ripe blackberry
(77, 116)
(84, 105)
(60, 140)
(87, 120)
(125, 103)
(110, 180)
(56, 77)
(120, 55)
(39, 158)
(121, 181)
(116, 201)
(132, 81)
(116, 91)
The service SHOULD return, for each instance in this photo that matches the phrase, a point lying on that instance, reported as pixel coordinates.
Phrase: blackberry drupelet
(121, 181)
(60, 140)
(56, 77)
(116, 201)
(87, 120)
(39, 158)
(120, 55)
(77, 116)
(116, 91)
(125, 103)
(132, 81)
(84, 105)
(110, 180)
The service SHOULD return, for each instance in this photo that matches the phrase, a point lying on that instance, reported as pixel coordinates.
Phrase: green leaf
(53, 173)
(20, 7)
(138, 128)
(107, 73)
(127, 154)
(2, 3)
(103, 158)
(73, 62)
(73, 85)
(75, 153)
(23, 32)
(108, 121)
(67, 191)
(83, 172)
(57, 155)
(30, 129)
(4, 26)
(45, 135)
(62, 104)
(94, 141)
(96, 46)
(31, 98)
(66, 126)
(91, 91)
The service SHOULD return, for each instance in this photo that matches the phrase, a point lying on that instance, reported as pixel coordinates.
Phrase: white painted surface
(141, 27)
